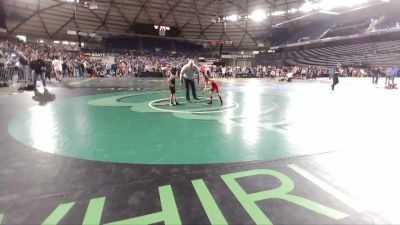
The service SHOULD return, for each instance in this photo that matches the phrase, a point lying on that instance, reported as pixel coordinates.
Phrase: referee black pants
(190, 84)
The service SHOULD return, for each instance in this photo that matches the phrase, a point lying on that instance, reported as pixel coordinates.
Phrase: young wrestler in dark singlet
(171, 84)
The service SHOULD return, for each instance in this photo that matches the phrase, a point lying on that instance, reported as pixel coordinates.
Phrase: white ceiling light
(233, 18)
(307, 7)
(258, 15)
(277, 13)
(328, 4)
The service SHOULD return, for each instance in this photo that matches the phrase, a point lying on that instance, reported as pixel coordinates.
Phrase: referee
(187, 75)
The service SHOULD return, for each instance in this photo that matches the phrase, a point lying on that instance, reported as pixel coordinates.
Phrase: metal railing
(13, 75)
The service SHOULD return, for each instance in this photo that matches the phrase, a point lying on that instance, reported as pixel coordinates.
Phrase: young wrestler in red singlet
(212, 86)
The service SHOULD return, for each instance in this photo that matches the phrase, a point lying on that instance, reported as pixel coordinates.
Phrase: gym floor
(113, 151)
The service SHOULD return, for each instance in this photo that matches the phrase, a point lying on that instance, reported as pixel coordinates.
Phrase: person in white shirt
(289, 77)
(57, 67)
(223, 71)
(187, 76)
(86, 68)
(108, 68)
(272, 74)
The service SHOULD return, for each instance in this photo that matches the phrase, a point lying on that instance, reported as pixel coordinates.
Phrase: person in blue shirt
(331, 71)
(393, 74)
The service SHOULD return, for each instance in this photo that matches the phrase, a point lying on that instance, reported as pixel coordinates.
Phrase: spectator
(58, 68)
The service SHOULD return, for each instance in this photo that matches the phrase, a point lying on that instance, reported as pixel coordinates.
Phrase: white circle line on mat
(236, 105)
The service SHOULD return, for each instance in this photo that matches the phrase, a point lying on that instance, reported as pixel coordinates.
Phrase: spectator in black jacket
(39, 69)
(375, 74)
(65, 69)
(336, 75)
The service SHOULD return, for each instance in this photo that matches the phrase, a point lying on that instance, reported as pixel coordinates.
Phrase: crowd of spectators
(18, 58)
(298, 72)
(132, 63)
(24, 60)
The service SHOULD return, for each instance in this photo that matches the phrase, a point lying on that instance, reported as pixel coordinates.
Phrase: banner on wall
(242, 56)
(104, 57)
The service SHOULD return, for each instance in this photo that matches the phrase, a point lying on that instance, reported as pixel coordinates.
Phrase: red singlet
(214, 86)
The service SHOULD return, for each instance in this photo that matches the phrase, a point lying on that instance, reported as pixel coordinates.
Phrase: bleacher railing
(331, 39)
(13, 75)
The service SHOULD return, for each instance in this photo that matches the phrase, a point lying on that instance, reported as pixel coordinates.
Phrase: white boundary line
(236, 105)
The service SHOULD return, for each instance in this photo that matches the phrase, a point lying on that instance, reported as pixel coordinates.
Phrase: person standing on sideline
(108, 68)
(76, 68)
(64, 69)
(335, 78)
(38, 65)
(81, 68)
(393, 74)
(187, 76)
(331, 71)
(375, 75)
(57, 68)
(23, 66)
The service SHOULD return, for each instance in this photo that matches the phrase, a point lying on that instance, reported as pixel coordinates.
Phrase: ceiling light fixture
(258, 15)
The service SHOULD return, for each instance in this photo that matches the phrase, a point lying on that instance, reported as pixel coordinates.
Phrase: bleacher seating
(390, 21)
(364, 20)
(348, 28)
(148, 43)
(384, 53)
(311, 31)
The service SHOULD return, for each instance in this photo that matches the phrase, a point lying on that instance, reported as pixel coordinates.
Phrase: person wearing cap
(187, 76)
